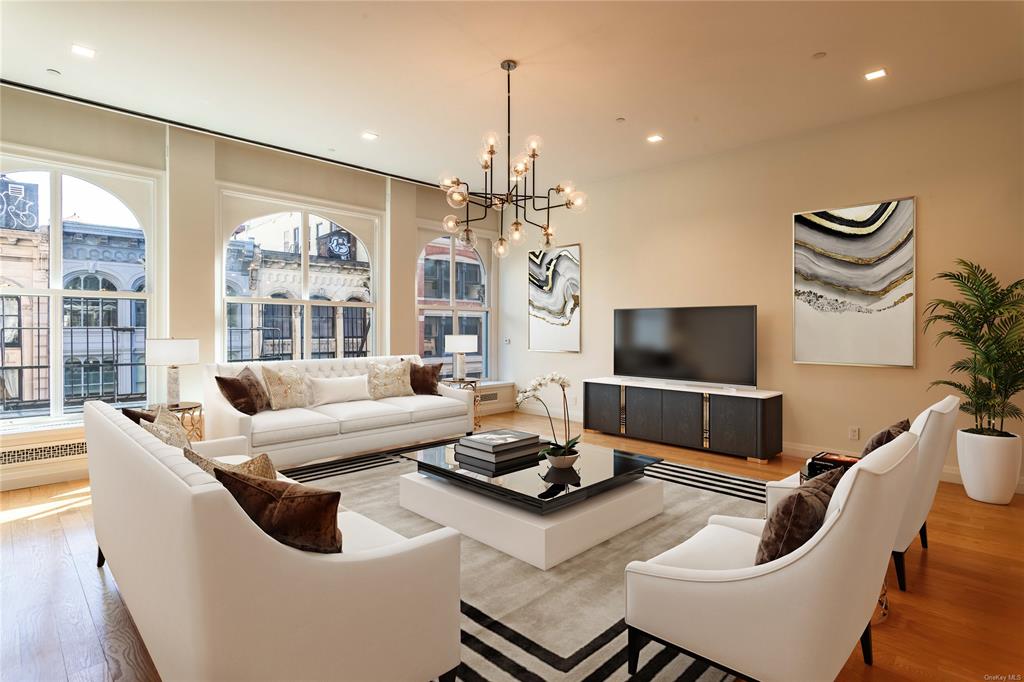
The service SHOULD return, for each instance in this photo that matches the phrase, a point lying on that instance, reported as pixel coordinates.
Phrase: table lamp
(458, 345)
(171, 353)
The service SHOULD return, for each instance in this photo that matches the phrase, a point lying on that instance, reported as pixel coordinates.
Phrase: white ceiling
(708, 76)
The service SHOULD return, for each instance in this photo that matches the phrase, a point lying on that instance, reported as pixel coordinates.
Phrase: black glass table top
(537, 486)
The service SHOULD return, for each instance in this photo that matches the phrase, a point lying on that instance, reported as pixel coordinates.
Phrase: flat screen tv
(714, 344)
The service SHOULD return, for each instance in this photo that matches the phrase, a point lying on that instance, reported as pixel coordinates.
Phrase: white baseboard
(43, 472)
(533, 408)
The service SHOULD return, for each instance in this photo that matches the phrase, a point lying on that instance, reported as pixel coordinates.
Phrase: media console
(744, 423)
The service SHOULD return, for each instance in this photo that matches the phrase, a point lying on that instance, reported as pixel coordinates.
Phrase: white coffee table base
(543, 541)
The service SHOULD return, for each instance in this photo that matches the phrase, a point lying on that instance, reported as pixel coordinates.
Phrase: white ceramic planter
(989, 466)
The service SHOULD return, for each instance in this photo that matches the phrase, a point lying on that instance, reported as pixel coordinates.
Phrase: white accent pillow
(389, 381)
(337, 390)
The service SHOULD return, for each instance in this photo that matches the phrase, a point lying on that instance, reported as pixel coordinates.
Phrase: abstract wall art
(554, 299)
(853, 285)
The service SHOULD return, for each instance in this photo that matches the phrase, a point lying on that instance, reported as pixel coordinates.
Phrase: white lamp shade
(460, 343)
(166, 352)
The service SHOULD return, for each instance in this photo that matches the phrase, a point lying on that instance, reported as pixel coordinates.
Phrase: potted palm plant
(561, 455)
(988, 321)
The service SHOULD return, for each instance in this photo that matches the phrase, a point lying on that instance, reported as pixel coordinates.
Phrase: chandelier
(518, 200)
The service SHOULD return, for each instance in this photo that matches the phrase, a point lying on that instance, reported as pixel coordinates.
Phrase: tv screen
(715, 345)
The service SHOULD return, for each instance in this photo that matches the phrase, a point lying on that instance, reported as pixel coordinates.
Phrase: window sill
(31, 430)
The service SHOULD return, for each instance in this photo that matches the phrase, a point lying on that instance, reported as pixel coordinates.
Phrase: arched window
(100, 270)
(451, 298)
(97, 282)
(264, 259)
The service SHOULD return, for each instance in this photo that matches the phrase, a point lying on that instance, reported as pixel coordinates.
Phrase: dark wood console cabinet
(742, 423)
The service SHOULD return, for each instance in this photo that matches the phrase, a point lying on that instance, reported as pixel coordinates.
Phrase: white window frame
(490, 306)
(19, 158)
(305, 206)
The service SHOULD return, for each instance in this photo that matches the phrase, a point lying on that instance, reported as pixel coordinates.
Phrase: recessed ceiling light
(370, 136)
(873, 75)
(654, 138)
(83, 51)
(620, 119)
(53, 72)
(331, 149)
(819, 55)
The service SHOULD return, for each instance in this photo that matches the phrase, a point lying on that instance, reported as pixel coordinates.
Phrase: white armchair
(708, 598)
(934, 428)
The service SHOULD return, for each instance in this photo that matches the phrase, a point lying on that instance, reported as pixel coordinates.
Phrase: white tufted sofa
(303, 434)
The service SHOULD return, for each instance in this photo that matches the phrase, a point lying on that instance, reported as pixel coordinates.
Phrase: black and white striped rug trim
(706, 479)
(610, 645)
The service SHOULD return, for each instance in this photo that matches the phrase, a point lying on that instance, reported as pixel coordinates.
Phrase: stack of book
(494, 452)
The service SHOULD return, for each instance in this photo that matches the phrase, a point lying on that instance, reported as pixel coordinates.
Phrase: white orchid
(532, 392)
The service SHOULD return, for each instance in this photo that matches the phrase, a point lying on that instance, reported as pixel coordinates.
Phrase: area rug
(565, 624)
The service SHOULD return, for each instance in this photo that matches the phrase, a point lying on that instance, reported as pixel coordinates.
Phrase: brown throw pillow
(245, 392)
(139, 416)
(259, 466)
(296, 515)
(424, 378)
(797, 517)
(885, 435)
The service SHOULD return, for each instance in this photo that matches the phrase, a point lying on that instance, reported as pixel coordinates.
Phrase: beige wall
(39, 121)
(718, 231)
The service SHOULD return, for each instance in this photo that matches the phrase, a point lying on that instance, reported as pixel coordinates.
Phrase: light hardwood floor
(61, 618)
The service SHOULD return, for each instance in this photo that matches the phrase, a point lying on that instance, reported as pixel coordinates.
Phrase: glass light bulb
(515, 231)
(533, 145)
(468, 238)
(485, 160)
(447, 181)
(576, 201)
(566, 187)
(450, 224)
(545, 240)
(521, 165)
(491, 141)
(550, 229)
(498, 204)
(458, 196)
(501, 247)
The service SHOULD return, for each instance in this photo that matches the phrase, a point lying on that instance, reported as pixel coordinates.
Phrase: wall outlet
(508, 341)
(854, 433)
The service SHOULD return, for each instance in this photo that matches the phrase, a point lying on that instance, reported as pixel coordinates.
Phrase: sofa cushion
(796, 518)
(231, 460)
(286, 387)
(337, 390)
(884, 436)
(297, 423)
(167, 428)
(362, 533)
(296, 515)
(388, 381)
(245, 392)
(424, 378)
(259, 466)
(424, 408)
(362, 415)
(713, 548)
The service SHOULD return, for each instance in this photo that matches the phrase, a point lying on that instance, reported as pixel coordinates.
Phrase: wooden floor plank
(959, 620)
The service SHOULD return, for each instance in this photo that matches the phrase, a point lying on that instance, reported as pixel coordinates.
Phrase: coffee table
(537, 513)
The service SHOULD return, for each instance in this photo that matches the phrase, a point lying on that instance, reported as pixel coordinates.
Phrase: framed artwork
(853, 285)
(554, 299)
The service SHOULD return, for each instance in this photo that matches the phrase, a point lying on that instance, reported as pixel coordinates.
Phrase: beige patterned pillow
(259, 466)
(167, 428)
(287, 387)
(389, 381)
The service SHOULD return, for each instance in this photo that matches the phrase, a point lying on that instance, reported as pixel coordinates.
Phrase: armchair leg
(636, 642)
(924, 535)
(100, 559)
(448, 676)
(901, 570)
(865, 646)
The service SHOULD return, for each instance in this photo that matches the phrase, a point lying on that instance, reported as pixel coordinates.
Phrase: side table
(190, 414)
(468, 385)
